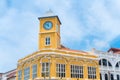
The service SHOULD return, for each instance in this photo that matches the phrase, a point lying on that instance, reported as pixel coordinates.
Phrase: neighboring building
(53, 60)
(10, 75)
(1, 76)
(109, 64)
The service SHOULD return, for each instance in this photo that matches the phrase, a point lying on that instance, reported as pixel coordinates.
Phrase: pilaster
(38, 69)
(31, 72)
(22, 73)
(85, 72)
(68, 70)
(53, 68)
(97, 73)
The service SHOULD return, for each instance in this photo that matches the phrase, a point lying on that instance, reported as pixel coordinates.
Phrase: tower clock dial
(48, 25)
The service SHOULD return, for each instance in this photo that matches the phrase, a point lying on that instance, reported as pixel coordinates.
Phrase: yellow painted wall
(54, 33)
(61, 60)
(53, 41)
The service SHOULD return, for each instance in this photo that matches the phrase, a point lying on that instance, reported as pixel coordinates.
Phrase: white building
(1, 76)
(109, 64)
(10, 75)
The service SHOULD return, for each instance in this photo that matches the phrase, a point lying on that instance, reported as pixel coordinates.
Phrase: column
(53, 68)
(22, 73)
(38, 69)
(85, 72)
(98, 73)
(30, 72)
(103, 76)
(107, 65)
(115, 76)
(17, 74)
(68, 73)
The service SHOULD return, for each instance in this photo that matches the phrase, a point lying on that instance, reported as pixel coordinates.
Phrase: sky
(86, 24)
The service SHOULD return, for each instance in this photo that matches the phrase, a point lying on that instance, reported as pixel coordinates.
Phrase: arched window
(112, 77)
(118, 64)
(109, 64)
(118, 78)
(106, 77)
(105, 62)
(99, 62)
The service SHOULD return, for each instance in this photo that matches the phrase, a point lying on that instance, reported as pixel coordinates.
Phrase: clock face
(48, 25)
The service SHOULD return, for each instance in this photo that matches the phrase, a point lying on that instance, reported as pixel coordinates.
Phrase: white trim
(67, 55)
(53, 77)
(69, 51)
(23, 59)
(59, 54)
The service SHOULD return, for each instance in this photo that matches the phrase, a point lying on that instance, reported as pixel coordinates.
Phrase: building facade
(10, 75)
(109, 64)
(1, 76)
(54, 61)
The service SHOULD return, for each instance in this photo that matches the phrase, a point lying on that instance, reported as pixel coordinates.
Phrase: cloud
(85, 25)
(3, 7)
(17, 37)
(99, 21)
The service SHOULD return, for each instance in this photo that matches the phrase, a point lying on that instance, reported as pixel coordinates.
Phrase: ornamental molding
(42, 54)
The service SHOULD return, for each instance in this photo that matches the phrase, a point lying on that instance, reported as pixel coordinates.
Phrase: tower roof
(49, 14)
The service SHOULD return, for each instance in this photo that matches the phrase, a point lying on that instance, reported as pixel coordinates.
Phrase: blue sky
(86, 24)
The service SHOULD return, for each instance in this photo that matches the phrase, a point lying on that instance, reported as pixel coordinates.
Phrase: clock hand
(47, 25)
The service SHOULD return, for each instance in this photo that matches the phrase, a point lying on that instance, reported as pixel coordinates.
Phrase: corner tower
(49, 33)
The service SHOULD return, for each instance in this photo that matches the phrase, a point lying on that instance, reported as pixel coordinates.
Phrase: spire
(49, 13)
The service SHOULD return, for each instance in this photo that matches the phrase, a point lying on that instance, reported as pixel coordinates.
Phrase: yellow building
(53, 60)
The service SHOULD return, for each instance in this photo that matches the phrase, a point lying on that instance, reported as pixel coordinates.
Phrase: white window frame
(47, 41)
(91, 72)
(60, 70)
(27, 73)
(45, 69)
(76, 71)
(34, 71)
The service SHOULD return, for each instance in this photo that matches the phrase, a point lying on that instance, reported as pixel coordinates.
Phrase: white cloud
(101, 23)
(3, 7)
(19, 26)
(99, 44)
(18, 37)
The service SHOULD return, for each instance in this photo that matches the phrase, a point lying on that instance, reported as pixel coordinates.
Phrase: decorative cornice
(54, 53)
(50, 17)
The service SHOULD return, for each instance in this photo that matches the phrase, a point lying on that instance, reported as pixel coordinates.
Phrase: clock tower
(49, 33)
(54, 61)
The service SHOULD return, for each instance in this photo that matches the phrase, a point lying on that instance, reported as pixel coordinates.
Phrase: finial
(49, 13)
